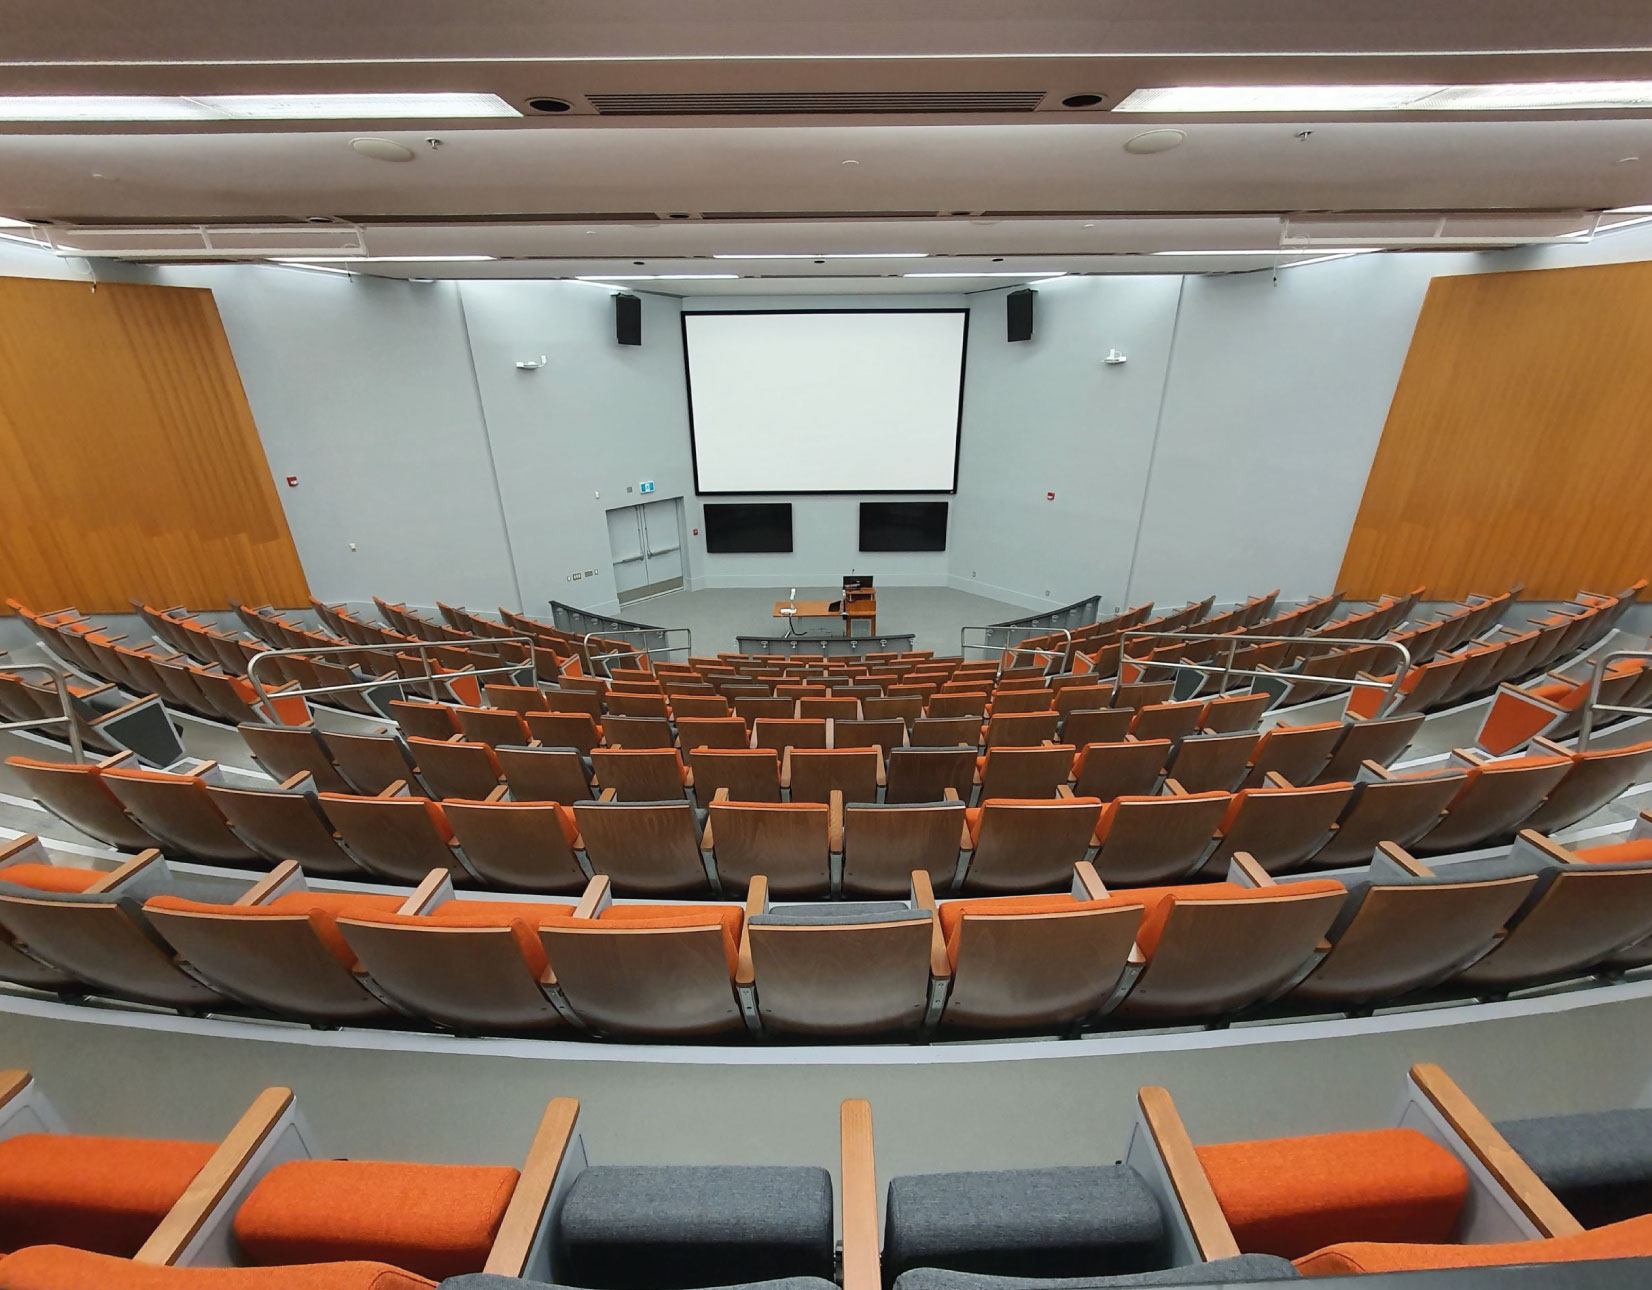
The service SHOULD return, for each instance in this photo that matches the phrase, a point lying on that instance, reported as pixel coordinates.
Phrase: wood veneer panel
(1515, 447)
(132, 464)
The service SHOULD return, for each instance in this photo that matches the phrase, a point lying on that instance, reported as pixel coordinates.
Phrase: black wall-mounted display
(736, 528)
(903, 526)
(628, 319)
(1018, 312)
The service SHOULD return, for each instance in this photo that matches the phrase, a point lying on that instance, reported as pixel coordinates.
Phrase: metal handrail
(61, 684)
(1235, 641)
(1592, 704)
(390, 647)
(636, 653)
(985, 647)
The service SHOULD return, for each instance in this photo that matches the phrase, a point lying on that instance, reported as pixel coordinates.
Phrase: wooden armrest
(1173, 788)
(1193, 1192)
(950, 794)
(1273, 779)
(757, 902)
(285, 877)
(525, 1214)
(877, 751)
(499, 794)
(436, 889)
(12, 1083)
(923, 897)
(117, 760)
(1244, 869)
(1087, 883)
(397, 788)
(598, 895)
(1511, 1172)
(834, 820)
(1398, 855)
(1064, 791)
(608, 795)
(132, 868)
(786, 767)
(1473, 756)
(26, 848)
(1376, 768)
(859, 1176)
(220, 1173)
(1550, 746)
(303, 780)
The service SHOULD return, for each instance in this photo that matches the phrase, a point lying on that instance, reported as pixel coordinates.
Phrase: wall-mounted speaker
(1018, 310)
(628, 319)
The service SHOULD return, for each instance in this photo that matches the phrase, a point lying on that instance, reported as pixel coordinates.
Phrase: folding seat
(637, 705)
(1144, 694)
(752, 710)
(882, 844)
(518, 698)
(178, 809)
(1166, 720)
(1070, 693)
(641, 774)
(1096, 726)
(519, 846)
(1420, 689)
(1009, 702)
(970, 703)
(799, 691)
(814, 774)
(874, 732)
(1498, 797)
(26, 866)
(1406, 927)
(746, 774)
(1553, 708)
(1029, 962)
(1018, 845)
(1234, 712)
(456, 767)
(850, 968)
(712, 732)
(1020, 729)
(649, 848)
(945, 732)
(790, 842)
(1206, 762)
(536, 774)
(285, 822)
(684, 704)
(1143, 838)
(637, 732)
(1298, 753)
(1279, 824)
(76, 793)
(1387, 807)
(396, 835)
(791, 732)
(834, 707)
(491, 725)
(371, 763)
(925, 774)
(1597, 777)
(98, 935)
(566, 699)
(576, 730)
(1041, 771)
(647, 971)
(424, 720)
(1211, 949)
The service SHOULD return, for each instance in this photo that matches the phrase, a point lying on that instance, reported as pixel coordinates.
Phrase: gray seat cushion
(1598, 1163)
(484, 1281)
(649, 1227)
(863, 911)
(1247, 1267)
(1074, 1221)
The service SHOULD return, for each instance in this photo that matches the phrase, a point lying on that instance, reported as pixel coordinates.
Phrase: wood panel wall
(129, 460)
(1518, 447)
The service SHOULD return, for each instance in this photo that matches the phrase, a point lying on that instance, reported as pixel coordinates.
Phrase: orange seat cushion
(435, 1220)
(729, 917)
(1161, 900)
(1629, 1239)
(524, 918)
(50, 877)
(1616, 853)
(101, 1194)
(953, 911)
(322, 908)
(1290, 1196)
(973, 815)
(56, 1267)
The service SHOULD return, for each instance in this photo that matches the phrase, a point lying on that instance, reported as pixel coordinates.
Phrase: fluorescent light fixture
(1500, 97)
(380, 259)
(652, 277)
(826, 255)
(1275, 251)
(310, 268)
(7, 222)
(26, 241)
(1616, 210)
(250, 107)
(996, 273)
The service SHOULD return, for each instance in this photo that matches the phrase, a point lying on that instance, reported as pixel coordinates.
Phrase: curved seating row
(1440, 1187)
(1094, 957)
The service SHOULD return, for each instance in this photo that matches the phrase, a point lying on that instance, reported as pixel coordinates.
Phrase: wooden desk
(860, 610)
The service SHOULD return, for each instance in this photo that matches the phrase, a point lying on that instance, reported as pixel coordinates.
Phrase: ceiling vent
(1437, 228)
(208, 241)
(818, 103)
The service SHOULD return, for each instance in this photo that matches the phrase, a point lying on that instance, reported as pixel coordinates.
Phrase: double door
(646, 542)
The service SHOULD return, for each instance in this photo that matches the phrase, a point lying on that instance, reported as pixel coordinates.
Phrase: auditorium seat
(98, 935)
(1629, 1239)
(814, 774)
(1498, 796)
(781, 733)
(475, 966)
(1388, 808)
(424, 720)
(75, 792)
(1279, 824)
(276, 947)
(398, 836)
(645, 848)
(883, 843)
(623, 703)
(1007, 702)
(1038, 771)
(712, 732)
(1025, 962)
(1298, 753)
(370, 763)
(1022, 845)
(25, 866)
(1598, 776)
(456, 766)
(648, 971)
(966, 703)
(1098, 725)
(1149, 839)
(284, 751)
(518, 846)
(747, 774)
(637, 732)
(1129, 767)
(792, 843)
(574, 700)
(178, 809)
(286, 822)
(886, 733)
(903, 708)
(642, 774)
(1380, 739)
(922, 774)
(1234, 712)
(1172, 721)
(535, 774)
(847, 968)
(1020, 730)
(577, 730)
(518, 698)
(1202, 762)
(945, 732)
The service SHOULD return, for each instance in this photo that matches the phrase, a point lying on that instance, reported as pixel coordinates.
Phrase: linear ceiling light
(250, 107)
(1501, 97)
(996, 273)
(1275, 251)
(652, 277)
(379, 259)
(825, 255)
(7, 222)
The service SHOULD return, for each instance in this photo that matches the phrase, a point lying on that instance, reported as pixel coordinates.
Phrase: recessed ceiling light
(1497, 97)
(249, 107)
(652, 277)
(994, 273)
(823, 255)
(1151, 141)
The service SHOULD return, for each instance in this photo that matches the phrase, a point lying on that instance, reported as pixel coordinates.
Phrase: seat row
(1441, 1186)
(1094, 957)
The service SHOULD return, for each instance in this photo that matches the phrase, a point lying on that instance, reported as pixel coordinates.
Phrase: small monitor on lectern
(858, 582)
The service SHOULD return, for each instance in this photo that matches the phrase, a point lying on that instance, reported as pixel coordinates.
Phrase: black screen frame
(791, 530)
(860, 531)
(957, 430)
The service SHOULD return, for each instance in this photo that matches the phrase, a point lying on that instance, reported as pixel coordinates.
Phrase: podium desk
(859, 610)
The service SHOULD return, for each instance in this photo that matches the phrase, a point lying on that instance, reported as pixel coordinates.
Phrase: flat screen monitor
(736, 528)
(903, 526)
(825, 400)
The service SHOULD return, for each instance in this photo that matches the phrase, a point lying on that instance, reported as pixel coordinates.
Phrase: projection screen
(825, 401)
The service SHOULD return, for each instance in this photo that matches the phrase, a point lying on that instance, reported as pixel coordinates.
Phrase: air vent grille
(817, 103)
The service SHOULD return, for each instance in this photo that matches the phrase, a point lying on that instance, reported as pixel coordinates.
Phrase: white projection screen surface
(825, 401)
